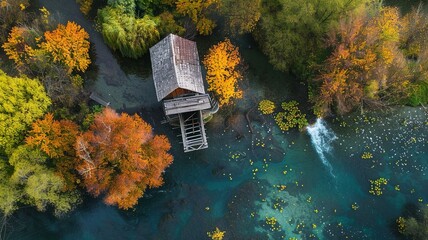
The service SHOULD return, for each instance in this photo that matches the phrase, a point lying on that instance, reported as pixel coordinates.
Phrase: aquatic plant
(216, 234)
(85, 6)
(273, 223)
(266, 107)
(367, 155)
(291, 117)
(376, 186)
(401, 224)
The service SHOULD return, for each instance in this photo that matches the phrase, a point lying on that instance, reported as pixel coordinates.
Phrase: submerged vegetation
(414, 227)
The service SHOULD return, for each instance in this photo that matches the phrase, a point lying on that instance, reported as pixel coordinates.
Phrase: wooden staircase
(192, 131)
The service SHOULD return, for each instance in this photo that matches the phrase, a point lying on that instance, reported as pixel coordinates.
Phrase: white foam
(321, 138)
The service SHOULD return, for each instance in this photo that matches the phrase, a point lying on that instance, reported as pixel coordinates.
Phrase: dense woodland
(352, 55)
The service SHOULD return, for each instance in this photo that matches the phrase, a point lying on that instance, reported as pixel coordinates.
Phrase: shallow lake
(315, 184)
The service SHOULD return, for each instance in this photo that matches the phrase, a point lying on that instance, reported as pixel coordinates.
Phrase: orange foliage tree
(17, 47)
(57, 140)
(221, 63)
(120, 157)
(366, 66)
(69, 45)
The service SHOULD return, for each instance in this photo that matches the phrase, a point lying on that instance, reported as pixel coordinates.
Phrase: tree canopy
(55, 138)
(131, 36)
(38, 184)
(241, 16)
(54, 57)
(69, 45)
(221, 63)
(375, 61)
(23, 101)
(11, 13)
(197, 11)
(120, 157)
(291, 32)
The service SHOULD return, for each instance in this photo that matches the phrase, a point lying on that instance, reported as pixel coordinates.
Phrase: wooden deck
(98, 99)
(187, 104)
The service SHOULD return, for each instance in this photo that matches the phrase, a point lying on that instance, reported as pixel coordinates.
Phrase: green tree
(149, 7)
(9, 192)
(167, 24)
(413, 43)
(23, 100)
(38, 184)
(198, 11)
(131, 36)
(241, 15)
(128, 6)
(291, 32)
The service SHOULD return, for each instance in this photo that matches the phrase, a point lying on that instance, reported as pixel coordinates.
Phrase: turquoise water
(245, 177)
(239, 197)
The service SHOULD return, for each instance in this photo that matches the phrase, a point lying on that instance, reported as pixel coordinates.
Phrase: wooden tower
(178, 82)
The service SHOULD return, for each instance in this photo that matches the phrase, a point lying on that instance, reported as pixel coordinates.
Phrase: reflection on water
(263, 184)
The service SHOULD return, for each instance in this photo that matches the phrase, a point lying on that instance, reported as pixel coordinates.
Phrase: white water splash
(322, 138)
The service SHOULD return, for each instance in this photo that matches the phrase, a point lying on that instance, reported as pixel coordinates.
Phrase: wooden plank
(203, 129)
(187, 104)
(183, 136)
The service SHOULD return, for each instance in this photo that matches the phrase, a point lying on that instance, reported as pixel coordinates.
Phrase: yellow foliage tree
(222, 74)
(197, 11)
(68, 44)
(16, 46)
(85, 6)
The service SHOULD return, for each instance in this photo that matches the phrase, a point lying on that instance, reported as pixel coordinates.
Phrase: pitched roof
(175, 64)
